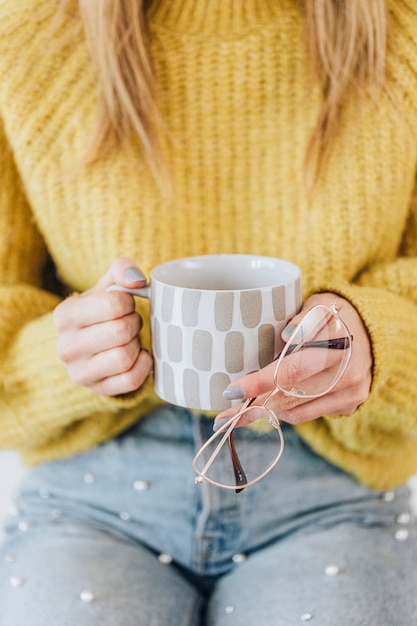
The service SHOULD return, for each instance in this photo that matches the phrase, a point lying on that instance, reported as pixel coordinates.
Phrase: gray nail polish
(219, 423)
(133, 275)
(288, 330)
(233, 393)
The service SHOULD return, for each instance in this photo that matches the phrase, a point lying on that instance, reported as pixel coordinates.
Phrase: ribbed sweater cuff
(384, 315)
(374, 442)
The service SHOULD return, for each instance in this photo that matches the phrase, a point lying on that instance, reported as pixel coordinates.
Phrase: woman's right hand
(98, 339)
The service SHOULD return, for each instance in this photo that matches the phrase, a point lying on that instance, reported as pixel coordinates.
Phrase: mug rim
(157, 272)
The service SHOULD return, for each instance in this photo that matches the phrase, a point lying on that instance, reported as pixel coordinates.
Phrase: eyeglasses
(311, 364)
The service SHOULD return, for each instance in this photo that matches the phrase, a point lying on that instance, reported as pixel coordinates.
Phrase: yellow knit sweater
(239, 108)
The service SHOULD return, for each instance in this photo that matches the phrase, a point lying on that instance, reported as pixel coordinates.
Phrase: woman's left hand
(351, 391)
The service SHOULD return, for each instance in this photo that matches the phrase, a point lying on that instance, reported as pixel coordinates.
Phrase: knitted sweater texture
(239, 106)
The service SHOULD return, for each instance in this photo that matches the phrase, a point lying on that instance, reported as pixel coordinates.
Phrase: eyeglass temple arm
(240, 476)
(341, 343)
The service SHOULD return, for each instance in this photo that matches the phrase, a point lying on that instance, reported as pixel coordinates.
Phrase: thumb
(123, 271)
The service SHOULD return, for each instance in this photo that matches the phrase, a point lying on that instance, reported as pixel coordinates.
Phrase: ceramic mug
(215, 318)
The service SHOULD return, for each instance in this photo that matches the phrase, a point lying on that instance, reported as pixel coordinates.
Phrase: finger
(96, 338)
(297, 410)
(281, 403)
(336, 403)
(112, 362)
(252, 385)
(92, 308)
(257, 384)
(128, 381)
(310, 373)
(305, 373)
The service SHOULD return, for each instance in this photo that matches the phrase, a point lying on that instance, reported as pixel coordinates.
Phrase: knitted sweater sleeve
(378, 443)
(41, 411)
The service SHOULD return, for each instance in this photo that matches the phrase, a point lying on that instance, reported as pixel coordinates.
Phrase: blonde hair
(346, 41)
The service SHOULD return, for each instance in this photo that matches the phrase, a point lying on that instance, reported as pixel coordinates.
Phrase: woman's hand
(98, 338)
(351, 391)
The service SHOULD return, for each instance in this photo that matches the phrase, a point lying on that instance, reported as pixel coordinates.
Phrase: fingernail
(288, 330)
(133, 275)
(219, 423)
(233, 393)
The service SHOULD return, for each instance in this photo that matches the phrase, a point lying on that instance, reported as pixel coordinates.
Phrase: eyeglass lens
(314, 360)
(247, 453)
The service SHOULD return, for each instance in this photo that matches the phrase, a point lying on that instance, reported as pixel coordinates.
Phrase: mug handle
(143, 292)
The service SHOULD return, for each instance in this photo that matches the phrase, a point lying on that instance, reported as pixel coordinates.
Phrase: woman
(133, 133)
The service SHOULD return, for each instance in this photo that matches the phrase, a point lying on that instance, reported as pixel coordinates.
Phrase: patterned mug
(215, 318)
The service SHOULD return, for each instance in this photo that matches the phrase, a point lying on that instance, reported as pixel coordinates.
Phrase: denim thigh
(123, 523)
(74, 574)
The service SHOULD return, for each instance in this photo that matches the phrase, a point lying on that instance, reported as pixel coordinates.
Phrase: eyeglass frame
(342, 343)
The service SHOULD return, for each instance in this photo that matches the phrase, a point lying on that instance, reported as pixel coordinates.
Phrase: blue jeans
(121, 536)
